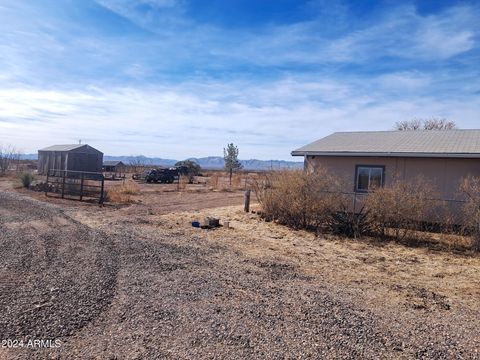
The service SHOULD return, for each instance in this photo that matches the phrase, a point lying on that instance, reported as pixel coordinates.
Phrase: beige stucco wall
(444, 173)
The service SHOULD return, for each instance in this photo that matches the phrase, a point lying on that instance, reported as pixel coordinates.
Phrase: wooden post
(247, 201)
(81, 187)
(63, 183)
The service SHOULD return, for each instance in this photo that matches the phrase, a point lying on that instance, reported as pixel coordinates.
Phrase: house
(365, 160)
(77, 157)
(114, 168)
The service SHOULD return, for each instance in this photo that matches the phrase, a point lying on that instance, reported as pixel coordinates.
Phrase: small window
(368, 178)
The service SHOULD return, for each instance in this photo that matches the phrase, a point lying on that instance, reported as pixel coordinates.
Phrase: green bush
(26, 179)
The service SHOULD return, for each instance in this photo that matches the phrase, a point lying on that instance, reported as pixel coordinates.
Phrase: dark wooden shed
(77, 157)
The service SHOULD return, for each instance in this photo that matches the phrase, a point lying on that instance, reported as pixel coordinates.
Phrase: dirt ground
(137, 281)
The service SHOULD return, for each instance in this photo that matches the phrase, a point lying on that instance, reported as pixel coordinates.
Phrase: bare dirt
(138, 282)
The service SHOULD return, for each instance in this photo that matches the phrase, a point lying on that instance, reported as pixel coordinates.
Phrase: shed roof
(69, 147)
(113, 163)
(418, 143)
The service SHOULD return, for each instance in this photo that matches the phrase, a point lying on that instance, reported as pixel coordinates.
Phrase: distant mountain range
(210, 162)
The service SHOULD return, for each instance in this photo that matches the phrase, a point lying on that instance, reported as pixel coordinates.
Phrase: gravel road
(119, 292)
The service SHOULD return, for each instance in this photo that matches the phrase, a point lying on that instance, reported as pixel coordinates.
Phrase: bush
(470, 187)
(347, 223)
(400, 208)
(300, 199)
(26, 179)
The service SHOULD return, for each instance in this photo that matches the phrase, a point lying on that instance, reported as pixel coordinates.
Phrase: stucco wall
(444, 173)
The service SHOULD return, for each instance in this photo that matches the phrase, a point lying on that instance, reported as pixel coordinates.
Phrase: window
(368, 177)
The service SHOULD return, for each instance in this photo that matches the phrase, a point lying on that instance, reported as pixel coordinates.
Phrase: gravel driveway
(133, 290)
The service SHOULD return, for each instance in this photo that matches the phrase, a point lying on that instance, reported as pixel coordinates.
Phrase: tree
(137, 162)
(189, 168)
(230, 156)
(8, 154)
(425, 124)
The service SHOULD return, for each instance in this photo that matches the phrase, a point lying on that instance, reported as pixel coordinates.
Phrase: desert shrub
(470, 187)
(400, 208)
(299, 199)
(350, 224)
(26, 179)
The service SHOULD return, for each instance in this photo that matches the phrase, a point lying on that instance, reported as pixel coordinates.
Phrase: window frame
(355, 181)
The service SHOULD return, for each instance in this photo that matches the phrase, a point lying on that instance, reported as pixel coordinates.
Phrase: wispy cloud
(148, 76)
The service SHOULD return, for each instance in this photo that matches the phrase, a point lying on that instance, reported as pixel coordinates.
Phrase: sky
(179, 78)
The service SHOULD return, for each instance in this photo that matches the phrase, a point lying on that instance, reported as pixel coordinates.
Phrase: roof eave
(385, 154)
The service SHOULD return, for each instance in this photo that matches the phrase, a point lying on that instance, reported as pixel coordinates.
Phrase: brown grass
(122, 194)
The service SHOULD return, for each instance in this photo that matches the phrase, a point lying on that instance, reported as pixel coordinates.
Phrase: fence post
(81, 187)
(247, 201)
(46, 184)
(63, 183)
(101, 191)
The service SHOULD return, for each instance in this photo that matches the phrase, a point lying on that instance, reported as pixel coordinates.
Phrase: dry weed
(122, 194)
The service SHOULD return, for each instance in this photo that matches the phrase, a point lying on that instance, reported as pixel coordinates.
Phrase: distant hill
(210, 162)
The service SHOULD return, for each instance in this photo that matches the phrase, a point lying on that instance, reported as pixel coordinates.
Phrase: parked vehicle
(163, 176)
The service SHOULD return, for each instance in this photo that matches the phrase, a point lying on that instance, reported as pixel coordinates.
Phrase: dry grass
(374, 268)
(122, 194)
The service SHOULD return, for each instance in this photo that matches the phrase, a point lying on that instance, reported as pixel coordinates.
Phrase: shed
(76, 157)
(114, 169)
(113, 166)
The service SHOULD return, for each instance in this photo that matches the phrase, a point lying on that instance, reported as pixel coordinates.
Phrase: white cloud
(267, 120)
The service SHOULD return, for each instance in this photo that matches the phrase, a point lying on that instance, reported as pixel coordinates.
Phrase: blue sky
(179, 78)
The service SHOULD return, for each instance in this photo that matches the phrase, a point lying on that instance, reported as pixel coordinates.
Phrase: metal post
(354, 202)
(102, 190)
(247, 201)
(63, 183)
(46, 184)
(81, 187)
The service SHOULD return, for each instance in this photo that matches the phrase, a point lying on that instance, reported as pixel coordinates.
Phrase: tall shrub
(470, 187)
(299, 199)
(400, 207)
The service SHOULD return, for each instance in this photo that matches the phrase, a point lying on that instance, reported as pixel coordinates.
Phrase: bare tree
(438, 124)
(137, 162)
(425, 124)
(8, 154)
(414, 124)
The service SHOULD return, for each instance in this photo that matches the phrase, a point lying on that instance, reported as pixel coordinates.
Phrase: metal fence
(77, 184)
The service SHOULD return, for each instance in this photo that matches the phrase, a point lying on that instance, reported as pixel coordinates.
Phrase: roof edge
(386, 154)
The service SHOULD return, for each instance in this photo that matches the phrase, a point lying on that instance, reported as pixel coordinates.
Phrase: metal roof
(112, 163)
(414, 143)
(62, 147)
